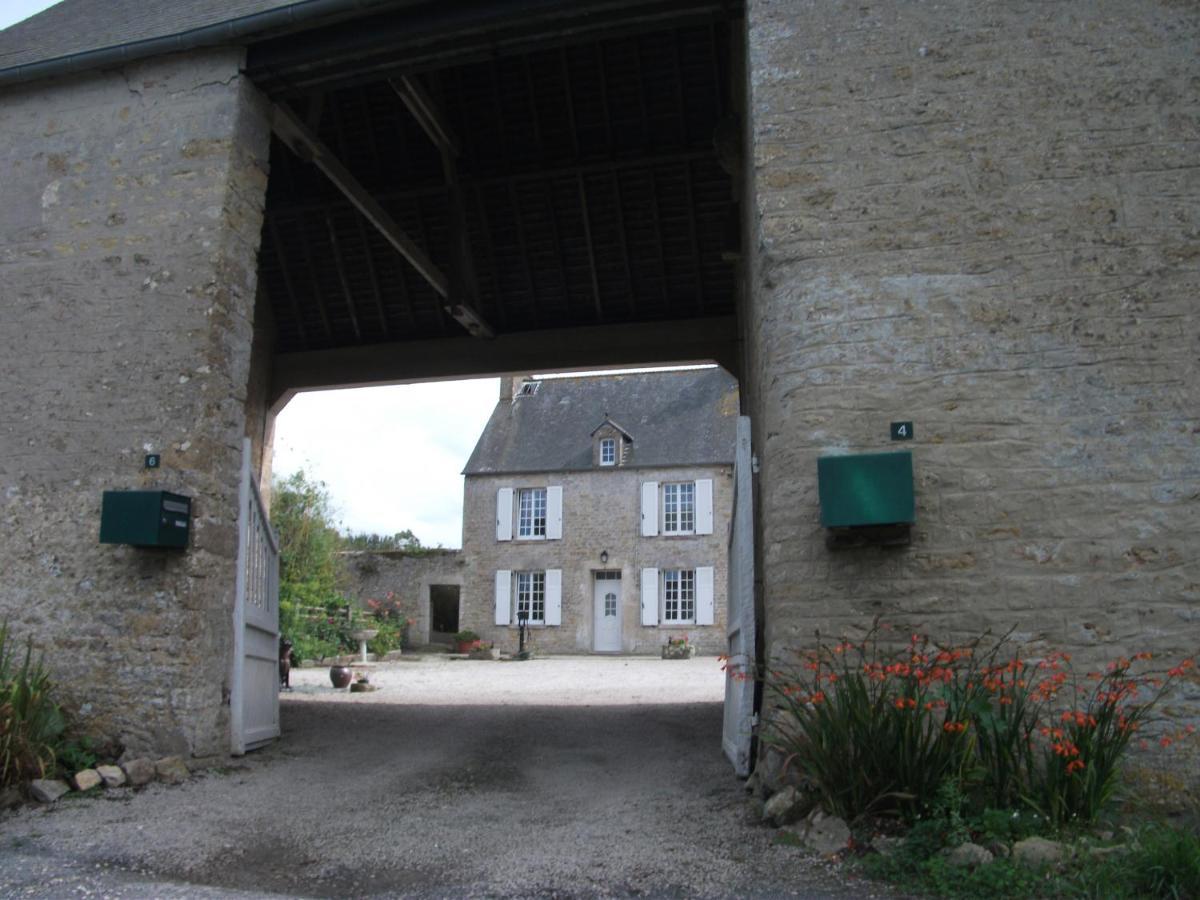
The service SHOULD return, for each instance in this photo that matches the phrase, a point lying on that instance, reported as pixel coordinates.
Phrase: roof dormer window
(608, 451)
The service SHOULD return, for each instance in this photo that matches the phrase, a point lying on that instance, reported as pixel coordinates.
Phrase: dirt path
(453, 780)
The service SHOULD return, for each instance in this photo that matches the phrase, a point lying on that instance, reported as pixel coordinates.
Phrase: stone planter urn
(340, 676)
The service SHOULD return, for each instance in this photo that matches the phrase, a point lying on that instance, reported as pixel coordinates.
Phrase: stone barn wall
(408, 575)
(984, 219)
(130, 211)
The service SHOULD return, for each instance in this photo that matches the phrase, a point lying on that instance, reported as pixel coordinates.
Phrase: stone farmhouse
(979, 220)
(598, 510)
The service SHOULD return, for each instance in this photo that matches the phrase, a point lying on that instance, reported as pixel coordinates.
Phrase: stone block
(112, 776)
(1036, 852)
(826, 834)
(86, 779)
(172, 770)
(968, 856)
(788, 806)
(47, 790)
(139, 772)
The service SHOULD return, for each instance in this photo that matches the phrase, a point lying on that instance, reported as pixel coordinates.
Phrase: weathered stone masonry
(985, 219)
(601, 511)
(130, 211)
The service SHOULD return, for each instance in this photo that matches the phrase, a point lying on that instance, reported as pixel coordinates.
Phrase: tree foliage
(401, 540)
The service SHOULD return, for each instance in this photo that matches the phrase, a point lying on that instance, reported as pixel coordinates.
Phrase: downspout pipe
(228, 32)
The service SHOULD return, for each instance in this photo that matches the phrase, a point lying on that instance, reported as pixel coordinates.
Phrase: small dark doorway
(443, 613)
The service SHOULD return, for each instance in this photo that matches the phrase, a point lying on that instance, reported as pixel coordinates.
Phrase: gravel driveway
(564, 777)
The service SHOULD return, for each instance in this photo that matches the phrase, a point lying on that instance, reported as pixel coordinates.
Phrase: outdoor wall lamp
(604, 557)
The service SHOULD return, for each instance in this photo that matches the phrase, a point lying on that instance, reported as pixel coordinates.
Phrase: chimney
(510, 385)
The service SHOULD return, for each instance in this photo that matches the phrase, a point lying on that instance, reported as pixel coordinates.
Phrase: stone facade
(407, 575)
(601, 512)
(985, 221)
(130, 211)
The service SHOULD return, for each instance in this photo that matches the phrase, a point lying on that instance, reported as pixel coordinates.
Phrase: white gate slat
(254, 681)
(737, 729)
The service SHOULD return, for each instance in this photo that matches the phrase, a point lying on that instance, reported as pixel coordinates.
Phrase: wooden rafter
(463, 302)
(314, 278)
(587, 237)
(340, 266)
(373, 279)
(427, 114)
(277, 244)
(309, 147)
(524, 250)
(616, 181)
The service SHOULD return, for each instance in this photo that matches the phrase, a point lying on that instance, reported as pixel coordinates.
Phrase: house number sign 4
(902, 431)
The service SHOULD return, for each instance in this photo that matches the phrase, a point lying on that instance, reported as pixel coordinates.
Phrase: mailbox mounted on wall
(145, 518)
(866, 499)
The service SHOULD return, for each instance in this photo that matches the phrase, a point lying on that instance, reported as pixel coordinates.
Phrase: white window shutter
(554, 512)
(504, 500)
(649, 509)
(649, 596)
(704, 506)
(503, 596)
(704, 595)
(554, 596)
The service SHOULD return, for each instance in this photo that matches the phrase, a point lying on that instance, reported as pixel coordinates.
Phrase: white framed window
(679, 596)
(679, 507)
(537, 513)
(531, 597)
(608, 451)
(683, 507)
(536, 594)
(531, 513)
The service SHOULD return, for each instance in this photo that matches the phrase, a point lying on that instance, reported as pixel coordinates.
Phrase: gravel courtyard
(562, 777)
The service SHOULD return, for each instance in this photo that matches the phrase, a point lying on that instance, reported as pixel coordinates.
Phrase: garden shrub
(31, 723)
(880, 728)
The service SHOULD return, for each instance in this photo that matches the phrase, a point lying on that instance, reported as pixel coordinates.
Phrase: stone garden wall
(406, 574)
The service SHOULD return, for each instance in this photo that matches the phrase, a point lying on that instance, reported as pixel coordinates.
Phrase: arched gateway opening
(467, 192)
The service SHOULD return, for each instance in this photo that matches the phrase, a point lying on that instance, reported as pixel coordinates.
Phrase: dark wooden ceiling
(591, 186)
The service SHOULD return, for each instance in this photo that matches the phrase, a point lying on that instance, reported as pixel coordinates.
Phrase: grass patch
(1158, 861)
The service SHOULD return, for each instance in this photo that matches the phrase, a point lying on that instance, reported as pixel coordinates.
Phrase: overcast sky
(390, 456)
(12, 11)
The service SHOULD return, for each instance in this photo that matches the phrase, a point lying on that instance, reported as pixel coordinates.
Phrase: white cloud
(13, 11)
(390, 456)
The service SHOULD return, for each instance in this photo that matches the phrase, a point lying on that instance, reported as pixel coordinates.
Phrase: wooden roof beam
(306, 145)
(427, 113)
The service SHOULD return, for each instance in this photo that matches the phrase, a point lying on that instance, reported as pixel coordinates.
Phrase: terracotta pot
(340, 675)
(467, 646)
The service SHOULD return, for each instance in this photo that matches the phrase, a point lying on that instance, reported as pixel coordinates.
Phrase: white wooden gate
(739, 692)
(254, 683)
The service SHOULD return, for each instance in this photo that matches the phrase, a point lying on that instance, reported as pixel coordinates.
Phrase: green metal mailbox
(870, 489)
(145, 518)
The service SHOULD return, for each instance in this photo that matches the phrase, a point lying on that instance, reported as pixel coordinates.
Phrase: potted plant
(466, 640)
(483, 650)
(678, 648)
(362, 684)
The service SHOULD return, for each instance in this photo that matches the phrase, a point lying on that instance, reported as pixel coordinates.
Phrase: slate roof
(675, 418)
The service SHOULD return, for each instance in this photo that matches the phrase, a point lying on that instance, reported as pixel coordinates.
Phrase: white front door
(608, 612)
